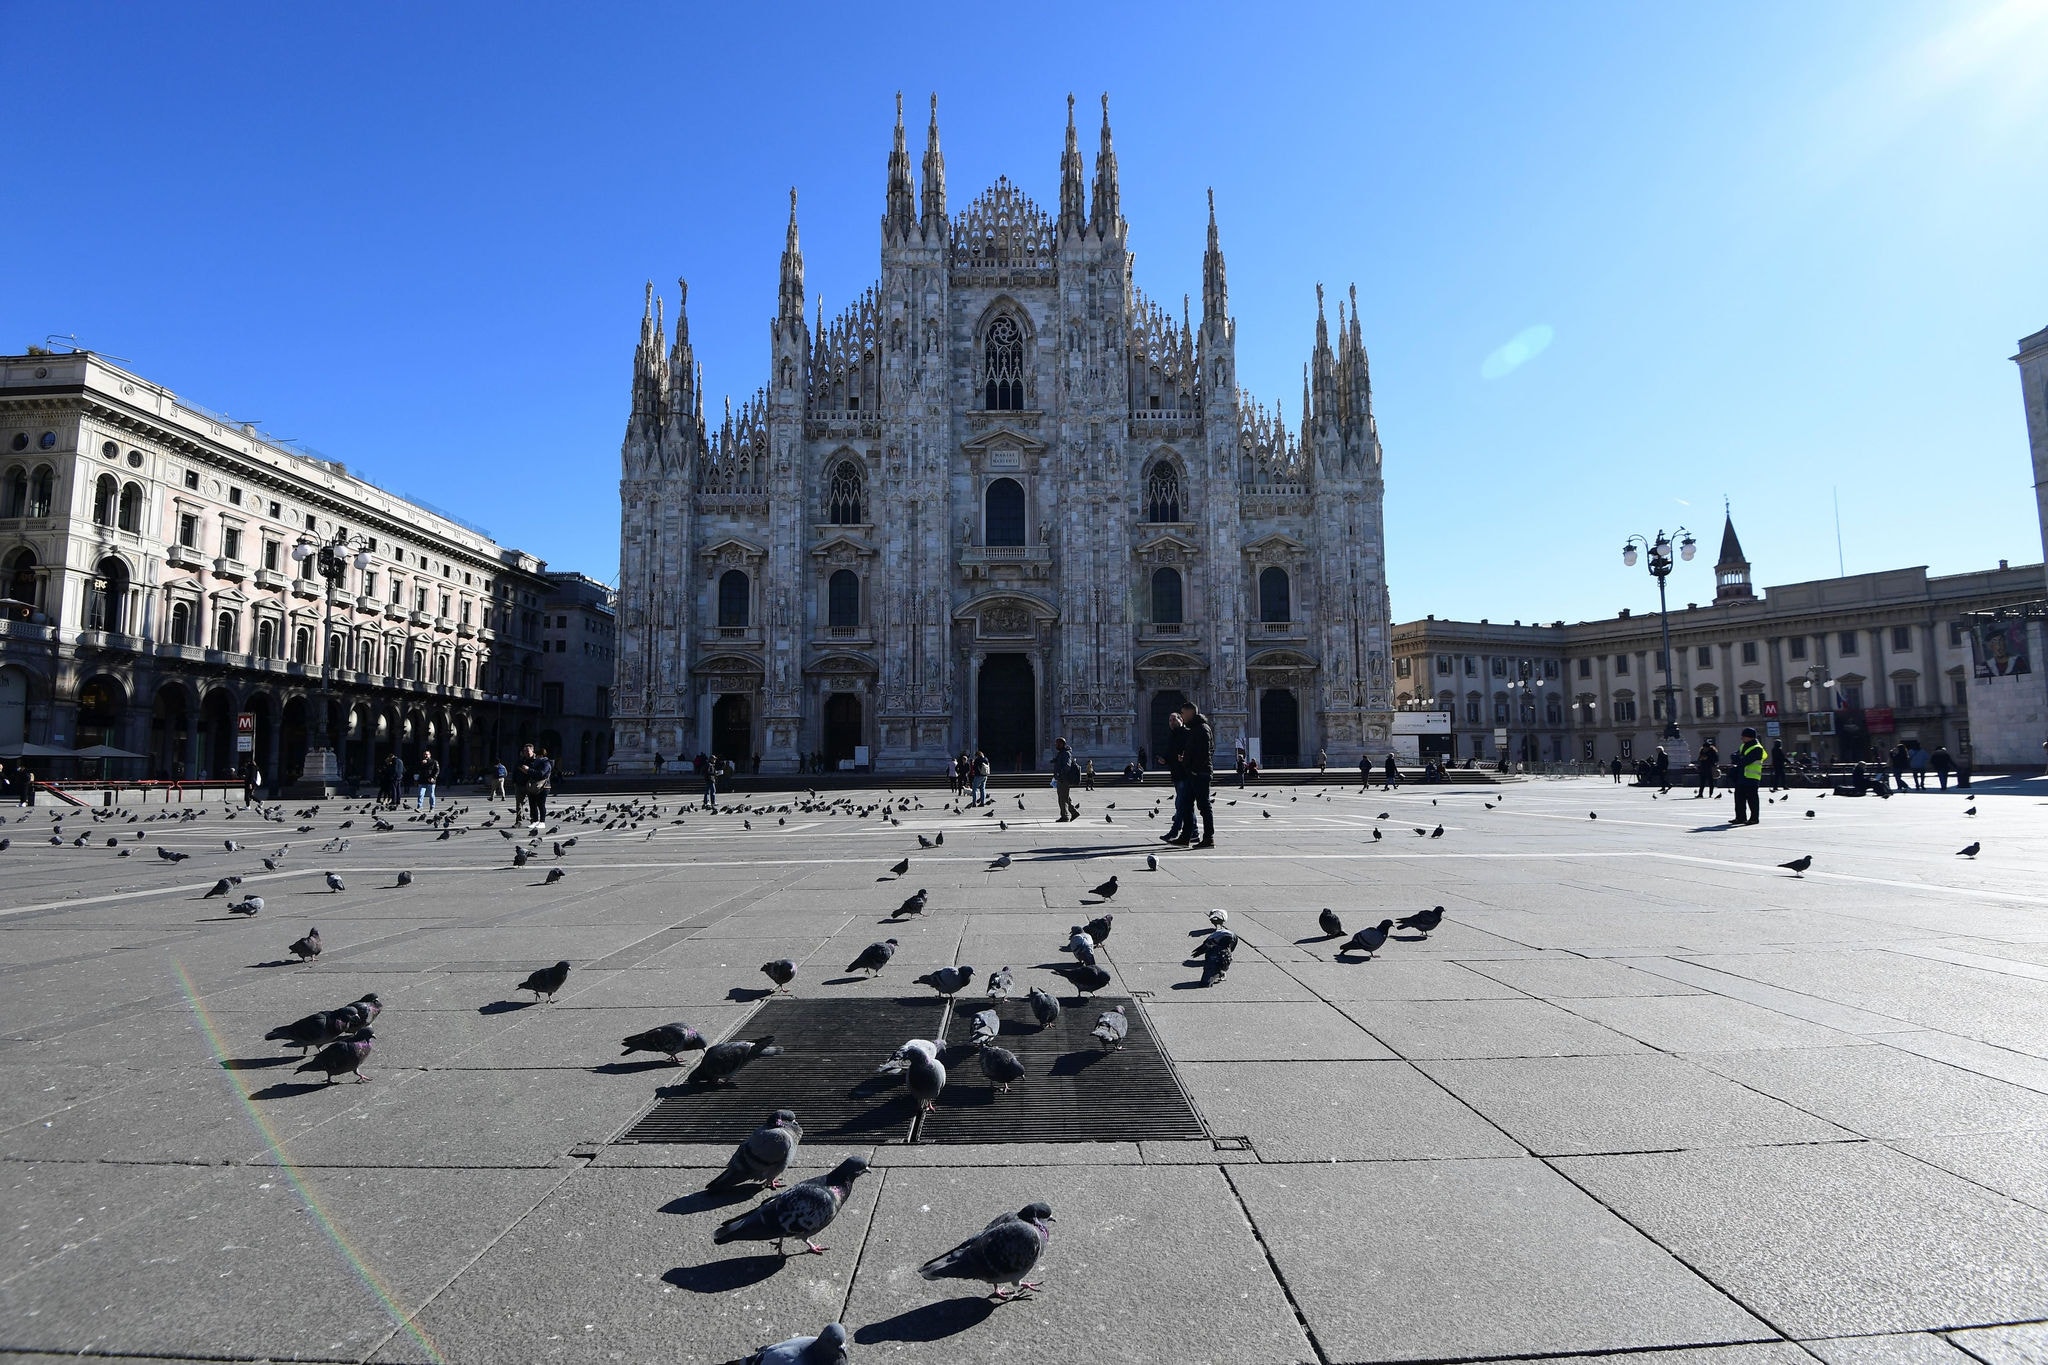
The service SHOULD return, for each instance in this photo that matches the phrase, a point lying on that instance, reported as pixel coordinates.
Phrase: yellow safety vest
(1753, 756)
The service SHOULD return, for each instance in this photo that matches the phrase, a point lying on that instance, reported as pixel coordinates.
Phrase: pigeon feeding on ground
(1087, 977)
(334, 883)
(999, 985)
(669, 1040)
(1106, 890)
(948, 980)
(898, 1061)
(1370, 939)
(1111, 1029)
(912, 905)
(405, 879)
(802, 1211)
(1080, 945)
(1001, 1066)
(901, 867)
(555, 874)
(985, 1026)
(1002, 860)
(315, 1030)
(926, 1078)
(166, 854)
(1332, 927)
(923, 842)
(1422, 921)
(307, 948)
(1002, 1253)
(1044, 1008)
(1797, 867)
(1097, 929)
(343, 1058)
(546, 981)
(721, 1060)
(781, 971)
(248, 905)
(764, 1156)
(220, 888)
(1972, 851)
(874, 957)
(826, 1348)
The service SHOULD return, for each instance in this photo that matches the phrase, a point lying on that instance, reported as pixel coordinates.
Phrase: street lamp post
(332, 561)
(1532, 689)
(1660, 568)
(1816, 677)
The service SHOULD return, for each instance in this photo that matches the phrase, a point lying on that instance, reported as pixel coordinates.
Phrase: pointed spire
(934, 181)
(1215, 291)
(791, 294)
(647, 318)
(899, 218)
(1731, 572)
(1073, 193)
(1107, 210)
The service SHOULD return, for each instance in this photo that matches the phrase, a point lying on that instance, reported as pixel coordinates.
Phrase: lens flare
(1524, 347)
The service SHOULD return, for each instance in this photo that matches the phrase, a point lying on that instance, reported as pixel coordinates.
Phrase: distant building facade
(579, 649)
(1843, 667)
(149, 596)
(1002, 497)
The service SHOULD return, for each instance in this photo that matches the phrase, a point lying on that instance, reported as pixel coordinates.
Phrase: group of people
(1907, 756)
(969, 773)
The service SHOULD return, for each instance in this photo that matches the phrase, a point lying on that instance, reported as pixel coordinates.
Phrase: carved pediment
(1004, 436)
(1276, 547)
(733, 664)
(732, 552)
(1170, 660)
(1272, 659)
(843, 549)
(1007, 615)
(844, 663)
(1168, 547)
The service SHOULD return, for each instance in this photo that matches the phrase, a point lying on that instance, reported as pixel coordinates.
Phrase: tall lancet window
(1162, 493)
(846, 495)
(1003, 367)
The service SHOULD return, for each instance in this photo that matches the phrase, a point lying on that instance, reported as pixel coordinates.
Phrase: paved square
(1641, 1095)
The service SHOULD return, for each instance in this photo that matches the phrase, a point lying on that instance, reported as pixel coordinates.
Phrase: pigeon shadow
(1715, 828)
(703, 1201)
(504, 1006)
(844, 981)
(1074, 1063)
(285, 1090)
(721, 1276)
(928, 1322)
(632, 1068)
(1194, 985)
(1318, 938)
(1409, 938)
(256, 1063)
(748, 994)
(277, 962)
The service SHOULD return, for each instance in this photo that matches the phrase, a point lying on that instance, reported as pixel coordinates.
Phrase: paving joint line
(1273, 1266)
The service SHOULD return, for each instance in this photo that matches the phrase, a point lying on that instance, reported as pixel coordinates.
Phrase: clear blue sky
(1776, 249)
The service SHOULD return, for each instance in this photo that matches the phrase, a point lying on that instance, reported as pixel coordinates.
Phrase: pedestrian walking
(1898, 760)
(251, 779)
(1393, 772)
(1200, 758)
(1777, 764)
(497, 782)
(979, 779)
(430, 776)
(1174, 756)
(1322, 762)
(1065, 774)
(1088, 775)
(1709, 772)
(953, 775)
(1364, 772)
(1749, 778)
(1614, 766)
(1917, 758)
(1943, 765)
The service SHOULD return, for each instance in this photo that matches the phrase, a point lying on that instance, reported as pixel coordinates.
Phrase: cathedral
(1004, 497)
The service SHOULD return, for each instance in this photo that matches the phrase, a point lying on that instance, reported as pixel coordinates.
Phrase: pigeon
(1592, 815)
(1097, 929)
(1437, 833)
(1111, 1029)
(1332, 926)
(986, 1026)
(334, 883)
(308, 947)
(764, 1156)
(1376, 834)
(1043, 1007)
(939, 838)
(1086, 976)
(220, 888)
(826, 1348)
(874, 957)
(1797, 867)
(1106, 890)
(1001, 1253)
(923, 842)
(1002, 860)
(270, 864)
(1809, 815)
(1081, 946)
(901, 867)
(166, 854)
(669, 1039)
(926, 1077)
(999, 985)
(802, 1211)
(1000, 1065)
(898, 1061)
(781, 971)
(555, 874)
(368, 1006)
(1219, 918)
(1972, 851)
(912, 905)
(1151, 862)
(404, 879)
(234, 847)
(1216, 941)
(948, 980)
(1216, 962)
(519, 857)
(721, 1060)
(1369, 940)
(249, 905)
(1971, 811)
(546, 981)
(343, 1058)
(1422, 921)
(315, 1030)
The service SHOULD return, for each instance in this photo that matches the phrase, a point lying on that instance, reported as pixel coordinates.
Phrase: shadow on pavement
(720, 1276)
(284, 1090)
(929, 1322)
(504, 1006)
(256, 1063)
(703, 1201)
(633, 1068)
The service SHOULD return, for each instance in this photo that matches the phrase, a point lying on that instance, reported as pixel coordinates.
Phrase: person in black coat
(1199, 758)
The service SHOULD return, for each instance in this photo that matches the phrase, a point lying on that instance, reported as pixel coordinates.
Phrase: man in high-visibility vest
(1749, 778)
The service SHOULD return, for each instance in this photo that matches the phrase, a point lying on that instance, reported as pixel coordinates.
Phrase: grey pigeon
(721, 1060)
(1097, 929)
(826, 1348)
(1220, 940)
(926, 1077)
(1111, 1029)
(248, 905)
(1002, 1253)
(1797, 867)
(1437, 833)
(781, 971)
(999, 985)
(344, 1058)
(1000, 1065)
(764, 1156)
(1106, 890)
(1043, 1007)
(899, 1060)
(948, 980)
(1422, 921)
(1369, 940)
(802, 1211)
(1086, 976)
(315, 1030)
(546, 981)
(334, 883)
(368, 1006)
(912, 905)
(231, 845)
(1002, 861)
(555, 874)
(1081, 946)
(874, 957)
(923, 842)
(518, 855)
(1151, 862)
(986, 1025)
(1216, 963)
(669, 1040)
(220, 888)
(1332, 926)
(901, 867)
(405, 879)
(308, 947)
(1972, 851)
(166, 854)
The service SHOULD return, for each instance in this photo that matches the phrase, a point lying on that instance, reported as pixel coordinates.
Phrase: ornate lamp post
(1816, 703)
(1660, 568)
(332, 561)
(1531, 688)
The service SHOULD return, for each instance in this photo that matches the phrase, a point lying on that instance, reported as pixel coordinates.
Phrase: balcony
(368, 605)
(465, 630)
(308, 588)
(1164, 630)
(110, 641)
(184, 557)
(1279, 630)
(234, 570)
(444, 624)
(1006, 561)
(272, 579)
(419, 618)
(394, 611)
(25, 630)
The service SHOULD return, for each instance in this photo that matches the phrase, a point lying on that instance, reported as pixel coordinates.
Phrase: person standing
(1709, 772)
(980, 779)
(1199, 757)
(522, 780)
(541, 778)
(1322, 762)
(1088, 775)
(1777, 764)
(1065, 773)
(1749, 779)
(1174, 756)
(1917, 758)
(430, 775)
(1393, 772)
(247, 772)
(710, 801)
(394, 778)
(1243, 765)
(497, 782)
(1943, 764)
(1614, 767)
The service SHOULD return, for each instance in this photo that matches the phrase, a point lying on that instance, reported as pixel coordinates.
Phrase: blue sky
(1616, 261)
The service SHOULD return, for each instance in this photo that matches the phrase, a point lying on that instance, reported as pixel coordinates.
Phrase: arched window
(106, 500)
(1004, 522)
(846, 495)
(415, 665)
(42, 487)
(227, 632)
(1002, 377)
(1162, 493)
(334, 659)
(842, 600)
(266, 639)
(19, 583)
(462, 672)
(1275, 599)
(302, 645)
(106, 596)
(391, 662)
(181, 624)
(441, 669)
(1166, 607)
(733, 592)
(14, 493)
(131, 507)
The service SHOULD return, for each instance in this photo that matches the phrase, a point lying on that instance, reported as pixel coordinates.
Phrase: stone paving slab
(1899, 1348)
(1441, 1029)
(1343, 1111)
(1883, 1092)
(1706, 1023)
(1226, 1031)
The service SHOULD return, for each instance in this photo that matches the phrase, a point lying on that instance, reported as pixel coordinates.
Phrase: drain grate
(1072, 1091)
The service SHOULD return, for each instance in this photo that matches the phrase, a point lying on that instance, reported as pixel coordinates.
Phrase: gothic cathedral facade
(1003, 497)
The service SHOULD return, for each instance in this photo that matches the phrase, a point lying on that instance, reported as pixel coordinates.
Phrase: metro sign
(1770, 709)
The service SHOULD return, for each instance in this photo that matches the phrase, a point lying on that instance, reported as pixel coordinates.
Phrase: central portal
(1006, 704)
(842, 728)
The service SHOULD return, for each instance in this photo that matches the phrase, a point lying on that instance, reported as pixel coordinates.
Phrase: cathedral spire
(934, 181)
(1731, 571)
(1325, 364)
(899, 219)
(1073, 192)
(684, 397)
(1357, 369)
(1215, 292)
(1107, 211)
(791, 293)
